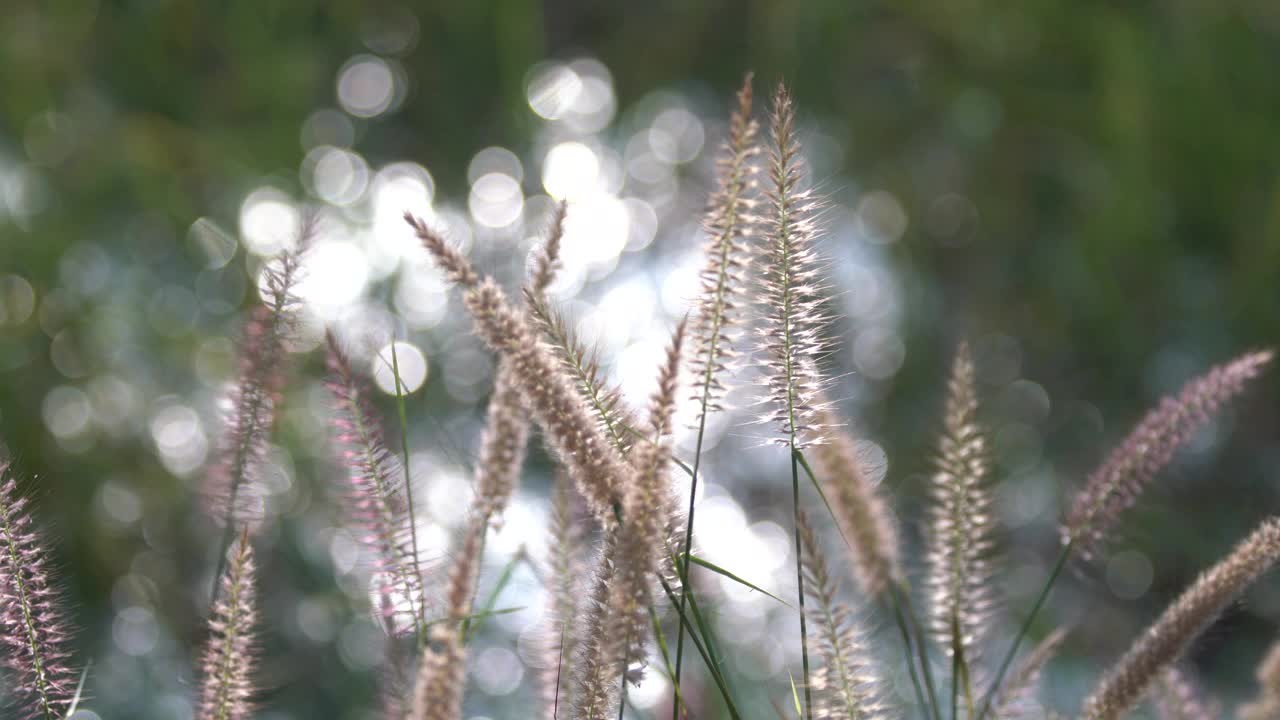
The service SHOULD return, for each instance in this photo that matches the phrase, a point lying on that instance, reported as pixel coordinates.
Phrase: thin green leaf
(469, 629)
(795, 696)
(721, 571)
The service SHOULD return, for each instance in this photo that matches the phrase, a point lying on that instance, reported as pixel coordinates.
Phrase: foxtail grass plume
(438, 690)
(1167, 639)
(1017, 698)
(230, 660)
(960, 576)
(563, 568)
(728, 224)
(576, 439)
(1177, 698)
(505, 441)
(791, 337)
(1115, 486)
(846, 685)
(34, 633)
(860, 510)
(230, 489)
(1267, 704)
(374, 503)
(583, 366)
(596, 663)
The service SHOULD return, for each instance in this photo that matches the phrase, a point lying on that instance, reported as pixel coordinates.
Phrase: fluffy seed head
(728, 224)
(960, 576)
(374, 502)
(1016, 699)
(1115, 486)
(564, 566)
(502, 446)
(231, 493)
(600, 651)
(547, 261)
(457, 268)
(791, 337)
(1178, 698)
(1267, 704)
(34, 634)
(846, 684)
(1168, 638)
(229, 661)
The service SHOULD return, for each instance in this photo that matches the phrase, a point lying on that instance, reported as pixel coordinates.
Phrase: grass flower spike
(1165, 641)
(960, 539)
(1267, 705)
(1116, 485)
(34, 634)
(578, 441)
(229, 662)
(375, 504)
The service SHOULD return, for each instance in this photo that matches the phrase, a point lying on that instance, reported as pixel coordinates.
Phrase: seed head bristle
(1177, 697)
(547, 260)
(791, 336)
(1115, 486)
(846, 685)
(583, 367)
(457, 267)
(564, 567)
(600, 651)
(858, 506)
(230, 660)
(960, 576)
(729, 222)
(502, 446)
(374, 501)
(1167, 639)
(231, 493)
(33, 628)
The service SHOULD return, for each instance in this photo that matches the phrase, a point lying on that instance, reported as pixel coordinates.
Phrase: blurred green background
(1089, 192)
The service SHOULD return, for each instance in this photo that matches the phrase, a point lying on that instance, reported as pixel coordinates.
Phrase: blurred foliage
(1095, 183)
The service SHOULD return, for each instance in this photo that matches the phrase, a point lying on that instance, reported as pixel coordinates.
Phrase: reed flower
(791, 336)
(230, 660)
(563, 568)
(34, 633)
(1168, 638)
(859, 508)
(728, 225)
(1115, 486)
(576, 439)
(230, 491)
(846, 685)
(960, 576)
(375, 504)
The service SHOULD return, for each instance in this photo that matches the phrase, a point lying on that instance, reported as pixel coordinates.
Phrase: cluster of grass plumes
(618, 572)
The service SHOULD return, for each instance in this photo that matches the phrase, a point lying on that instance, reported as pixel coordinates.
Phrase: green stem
(922, 651)
(804, 630)
(908, 648)
(420, 609)
(1026, 627)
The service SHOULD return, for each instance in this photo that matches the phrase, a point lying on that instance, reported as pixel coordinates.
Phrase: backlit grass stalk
(230, 660)
(375, 504)
(1168, 638)
(727, 225)
(791, 335)
(33, 628)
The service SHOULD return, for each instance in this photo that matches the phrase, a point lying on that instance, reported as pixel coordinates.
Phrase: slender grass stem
(922, 651)
(707, 656)
(420, 609)
(1026, 627)
(683, 567)
(804, 630)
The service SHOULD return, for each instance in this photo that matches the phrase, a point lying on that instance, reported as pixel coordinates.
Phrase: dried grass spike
(1016, 699)
(374, 502)
(547, 261)
(229, 662)
(846, 686)
(1267, 704)
(792, 341)
(960, 576)
(728, 224)
(1115, 486)
(502, 446)
(33, 628)
(1168, 638)
(1178, 698)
